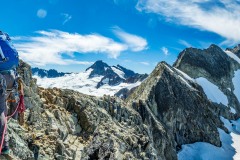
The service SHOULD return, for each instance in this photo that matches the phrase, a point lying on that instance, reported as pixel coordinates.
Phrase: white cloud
(48, 47)
(70, 61)
(66, 17)
(184, 43)
(144, 63)
(221, 17)
(135, 43)
(41, 13)
(165, 51)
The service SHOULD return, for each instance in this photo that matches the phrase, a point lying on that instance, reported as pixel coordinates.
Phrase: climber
(14, 99)
(8, 86)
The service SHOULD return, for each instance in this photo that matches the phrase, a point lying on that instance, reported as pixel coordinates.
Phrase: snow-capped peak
(98, 79)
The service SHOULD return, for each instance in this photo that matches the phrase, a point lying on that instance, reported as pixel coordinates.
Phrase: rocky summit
(215, 65)
(170, 109)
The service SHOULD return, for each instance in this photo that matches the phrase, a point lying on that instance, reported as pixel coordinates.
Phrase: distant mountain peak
(98, 68)
(98, 63)
(113, 75)
(212, 61)
(51, 73)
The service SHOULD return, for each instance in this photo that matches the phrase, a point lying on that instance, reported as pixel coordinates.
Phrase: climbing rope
(20, 108)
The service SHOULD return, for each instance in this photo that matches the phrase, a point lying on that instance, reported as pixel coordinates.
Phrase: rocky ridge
(166, 111)
(184, 115)
(69, 125)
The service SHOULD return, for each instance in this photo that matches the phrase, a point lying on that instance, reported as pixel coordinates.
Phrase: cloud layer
(221, 17)
(134, 42)
(49, 47)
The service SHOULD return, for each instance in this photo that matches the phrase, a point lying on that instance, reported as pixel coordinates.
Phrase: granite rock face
(108, 128)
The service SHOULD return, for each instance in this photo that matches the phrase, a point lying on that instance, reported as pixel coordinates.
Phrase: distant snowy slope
(119, 72)
(113, 75)
(80, 82)
(97, 80)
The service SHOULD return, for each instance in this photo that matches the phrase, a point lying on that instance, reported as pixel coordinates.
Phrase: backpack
(8, 55)
(9, 61)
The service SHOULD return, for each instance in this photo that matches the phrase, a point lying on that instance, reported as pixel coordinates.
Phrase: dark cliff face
(213, 60)
(180, 105)
(128, 73)
(136, 77)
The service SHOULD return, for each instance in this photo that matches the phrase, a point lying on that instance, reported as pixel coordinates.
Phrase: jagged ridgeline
(168, 110)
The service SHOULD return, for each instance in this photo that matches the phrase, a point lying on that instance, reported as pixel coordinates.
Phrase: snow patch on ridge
(184, 75)
(168, 68)
(233, 56)
(212, 91)
(183, 80)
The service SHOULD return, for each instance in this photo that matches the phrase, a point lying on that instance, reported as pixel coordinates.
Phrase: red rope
(20, 108)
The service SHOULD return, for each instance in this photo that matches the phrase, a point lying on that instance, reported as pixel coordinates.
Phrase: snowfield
(212, 91)
(81, 83)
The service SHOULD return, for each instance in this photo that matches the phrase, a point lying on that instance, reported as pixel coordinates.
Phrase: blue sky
(69, 35)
